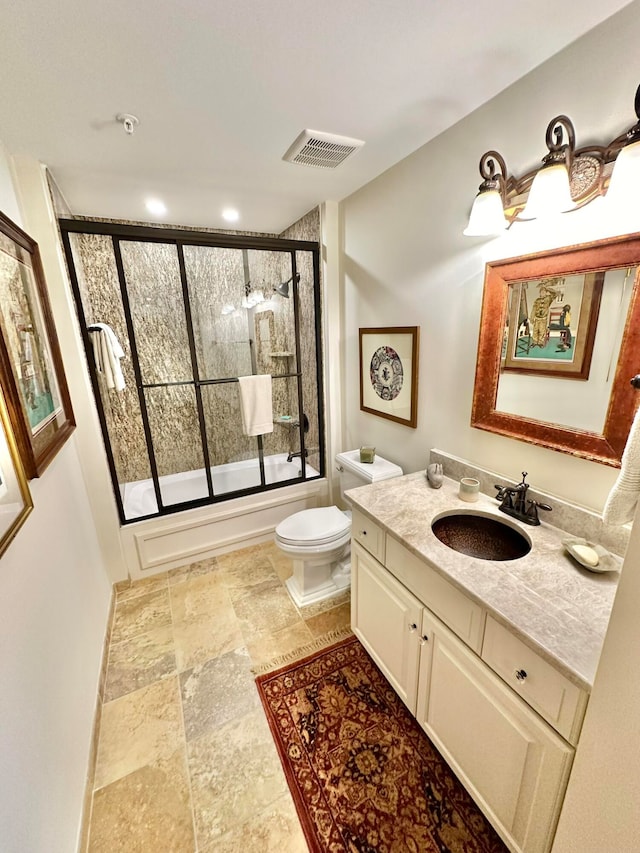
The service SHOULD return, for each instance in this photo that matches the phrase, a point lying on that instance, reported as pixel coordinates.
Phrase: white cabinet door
(513, 764)
(385, 617)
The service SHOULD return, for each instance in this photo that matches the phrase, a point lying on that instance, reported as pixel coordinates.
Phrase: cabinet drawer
(368, 534)
(463, 616)
(550, 693)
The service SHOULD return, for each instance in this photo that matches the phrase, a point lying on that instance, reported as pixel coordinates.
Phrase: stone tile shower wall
(98, 283)
(224, 343)
(308, 228)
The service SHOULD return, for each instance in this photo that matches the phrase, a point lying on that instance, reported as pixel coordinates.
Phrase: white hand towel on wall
(256, 404)
(621, 503)
(107, 353)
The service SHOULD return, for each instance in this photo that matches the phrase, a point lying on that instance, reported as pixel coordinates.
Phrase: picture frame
(551, 325)
(389, 373)
(612, 368)
(15, 498)
(31, 369)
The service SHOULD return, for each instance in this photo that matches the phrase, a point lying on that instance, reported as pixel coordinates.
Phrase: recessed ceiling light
(230, 214)
(156, 207)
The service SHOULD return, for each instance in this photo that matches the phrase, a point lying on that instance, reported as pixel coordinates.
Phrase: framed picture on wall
(31, 369)
(15, 499)
(389, 373)
(552, 325)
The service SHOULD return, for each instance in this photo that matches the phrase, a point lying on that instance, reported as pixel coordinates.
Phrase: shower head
(283, 289)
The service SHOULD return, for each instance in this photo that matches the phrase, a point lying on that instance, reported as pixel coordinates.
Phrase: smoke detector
(322, 150)
(129, 122)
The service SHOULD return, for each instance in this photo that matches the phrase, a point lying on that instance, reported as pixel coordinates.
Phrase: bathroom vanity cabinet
(504, 718)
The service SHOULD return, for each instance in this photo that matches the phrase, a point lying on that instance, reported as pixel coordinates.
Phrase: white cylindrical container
(469, 489)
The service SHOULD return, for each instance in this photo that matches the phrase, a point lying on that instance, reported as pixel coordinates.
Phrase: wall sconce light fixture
(487, 214)
(568, 178)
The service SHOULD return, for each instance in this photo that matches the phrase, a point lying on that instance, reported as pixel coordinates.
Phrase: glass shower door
(168, 394)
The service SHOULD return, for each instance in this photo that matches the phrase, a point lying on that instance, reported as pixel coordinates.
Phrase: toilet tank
(354, 473)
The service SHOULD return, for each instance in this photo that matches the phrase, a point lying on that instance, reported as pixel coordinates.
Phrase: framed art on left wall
(31, 368)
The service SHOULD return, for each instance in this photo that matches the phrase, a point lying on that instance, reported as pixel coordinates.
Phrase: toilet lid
(321, 525)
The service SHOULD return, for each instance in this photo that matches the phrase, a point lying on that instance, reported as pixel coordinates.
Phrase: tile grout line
(199, 844)
(85, 830)
(184, 728)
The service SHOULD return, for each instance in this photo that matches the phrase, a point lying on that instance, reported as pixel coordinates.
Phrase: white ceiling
(223, 87)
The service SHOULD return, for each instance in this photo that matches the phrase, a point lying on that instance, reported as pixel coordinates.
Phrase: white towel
(621, 503)
(256, 405)
(107, 353)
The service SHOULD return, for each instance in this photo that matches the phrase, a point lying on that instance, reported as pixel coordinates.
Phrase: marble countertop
(554, 605)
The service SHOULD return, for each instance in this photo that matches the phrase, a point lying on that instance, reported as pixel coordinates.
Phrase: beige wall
(602, 807)
(53, 611)
(405, 262)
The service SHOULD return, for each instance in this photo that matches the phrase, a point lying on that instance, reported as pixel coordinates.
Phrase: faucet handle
(505, 496)
(532, 511)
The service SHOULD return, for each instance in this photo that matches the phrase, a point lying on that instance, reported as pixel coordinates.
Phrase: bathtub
(139, 498)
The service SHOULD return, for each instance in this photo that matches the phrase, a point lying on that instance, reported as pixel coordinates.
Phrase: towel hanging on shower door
(256, 404)
(107, 352)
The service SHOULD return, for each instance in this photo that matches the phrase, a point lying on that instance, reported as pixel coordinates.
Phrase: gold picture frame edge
(7, 537)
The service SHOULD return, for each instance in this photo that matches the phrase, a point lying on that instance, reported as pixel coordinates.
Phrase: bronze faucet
(516, 504)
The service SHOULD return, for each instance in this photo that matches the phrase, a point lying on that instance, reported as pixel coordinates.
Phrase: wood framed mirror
(559, 343)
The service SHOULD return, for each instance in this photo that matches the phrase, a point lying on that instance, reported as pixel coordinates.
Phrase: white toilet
(318, 540)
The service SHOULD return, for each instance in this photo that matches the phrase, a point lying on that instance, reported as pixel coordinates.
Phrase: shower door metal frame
(181, 238)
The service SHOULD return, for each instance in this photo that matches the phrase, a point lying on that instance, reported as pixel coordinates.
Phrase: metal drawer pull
(363, 533)
(424, 639)
(521, 674)
(413, 627)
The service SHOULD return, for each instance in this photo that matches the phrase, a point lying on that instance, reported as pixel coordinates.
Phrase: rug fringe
(297, 654)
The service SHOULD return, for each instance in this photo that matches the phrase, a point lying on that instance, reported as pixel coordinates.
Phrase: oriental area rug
(363, 775)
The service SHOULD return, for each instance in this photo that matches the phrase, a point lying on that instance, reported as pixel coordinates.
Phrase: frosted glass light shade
(624, 186)
(549, 193)
(487, 217)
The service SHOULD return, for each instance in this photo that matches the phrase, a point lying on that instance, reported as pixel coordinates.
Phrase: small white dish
(606, 561)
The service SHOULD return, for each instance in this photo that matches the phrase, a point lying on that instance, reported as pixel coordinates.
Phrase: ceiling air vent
(324, 150)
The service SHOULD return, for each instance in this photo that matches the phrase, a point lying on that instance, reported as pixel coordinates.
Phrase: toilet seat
(320, 526)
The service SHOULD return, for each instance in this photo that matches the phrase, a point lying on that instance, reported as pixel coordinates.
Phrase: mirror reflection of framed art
(31, 368)
(552, 325)
(389, 373)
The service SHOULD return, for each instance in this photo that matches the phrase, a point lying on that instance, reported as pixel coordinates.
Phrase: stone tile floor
(185, 761)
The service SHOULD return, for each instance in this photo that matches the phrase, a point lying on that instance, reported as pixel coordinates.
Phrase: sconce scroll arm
(494, 177)
(560, 151)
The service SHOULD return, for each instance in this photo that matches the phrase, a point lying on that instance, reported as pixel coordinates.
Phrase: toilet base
(311, 582)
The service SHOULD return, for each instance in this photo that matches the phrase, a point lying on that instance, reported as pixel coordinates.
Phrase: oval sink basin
(481, 536)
